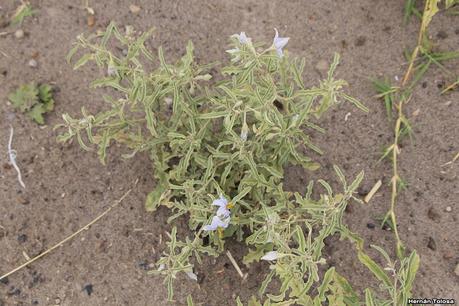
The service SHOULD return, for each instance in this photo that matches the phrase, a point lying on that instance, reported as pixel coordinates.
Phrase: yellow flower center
(230, 205)
(220, 232)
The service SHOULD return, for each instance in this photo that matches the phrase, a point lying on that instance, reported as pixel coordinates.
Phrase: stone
(33, 63)
(19, 34)
(134, 8)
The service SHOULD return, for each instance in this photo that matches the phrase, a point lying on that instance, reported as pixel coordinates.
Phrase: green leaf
(83, 60)
(355, 184)
(24, 10)
(36, 113)
(103, 145)
(255, 255)
(341, 176)
(266, 282)
(356, 102)
(254, 302)
(154, 198)
(369, 299)
(49, 105)
(327, 279)
(45, 93)
(25, 97)
(189, 300)
(413, 266)
(375, 269)
(213, 115)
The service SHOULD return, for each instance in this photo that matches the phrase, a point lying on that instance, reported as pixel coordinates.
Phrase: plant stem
(395, 149)
(395, 177)
(414, 55)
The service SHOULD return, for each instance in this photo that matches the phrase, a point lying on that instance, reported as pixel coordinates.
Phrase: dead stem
(236, 266)
(68, 238)
(12, 155)
(396, 178)
(414, 55)
(427, 15)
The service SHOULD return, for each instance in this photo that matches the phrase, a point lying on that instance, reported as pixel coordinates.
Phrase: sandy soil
(66, 187)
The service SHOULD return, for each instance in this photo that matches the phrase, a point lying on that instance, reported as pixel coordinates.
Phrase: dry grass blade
(66, 239)
(235, 264)
(373, 191)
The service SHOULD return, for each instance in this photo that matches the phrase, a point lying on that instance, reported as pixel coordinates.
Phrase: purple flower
(222, 204)
(279, 43)
(243, 39)
(217, 222)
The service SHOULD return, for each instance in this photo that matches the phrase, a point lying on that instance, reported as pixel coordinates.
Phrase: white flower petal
(161, 267)
(243, 39)
(221, 222)
(223, 212)
(244, 134)
(216, 223)
(111, 70)
(279, 43)
(210, 227)
(280, 53)
(272, 255)
(232, 51)
(222, 202)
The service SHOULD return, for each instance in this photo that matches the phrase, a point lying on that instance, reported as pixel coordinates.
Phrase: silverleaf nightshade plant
(219, 149)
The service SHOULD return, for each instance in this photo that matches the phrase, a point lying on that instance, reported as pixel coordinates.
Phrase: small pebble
(5, 281)
(456, 271)
(19, 34)
(129, 30)
(431, 244)
(88, 288)
(386, 227)
(371, 225)
(448, 255)
(134, 8)
(14, 291)
(22, 238)
(23, 200)
(448, 208)
(33, 63)
(143, 265)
